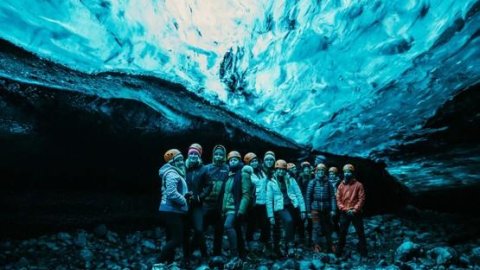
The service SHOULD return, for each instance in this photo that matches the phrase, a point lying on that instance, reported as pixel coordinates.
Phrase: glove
(272, 221)
(188, 196)
(303, 215)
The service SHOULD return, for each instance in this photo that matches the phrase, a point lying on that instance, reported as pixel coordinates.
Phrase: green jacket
(238, 191)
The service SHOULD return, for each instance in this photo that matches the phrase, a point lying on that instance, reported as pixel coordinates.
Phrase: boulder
(443, 255)
(475, 255)
(406, 251)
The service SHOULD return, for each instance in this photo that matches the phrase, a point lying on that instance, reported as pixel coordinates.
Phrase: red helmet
(349, 167)
(280, 164)
(333, 169)
(305, 163)
(249, 157)
(170, 154)
(321, 166)
(234, 154)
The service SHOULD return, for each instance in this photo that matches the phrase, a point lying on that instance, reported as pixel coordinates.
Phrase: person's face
(280, 172)
(178, 161)
(233, 161)
(218, 155)
(269, 161)
(194, 157)
(307, 170)
(254, 163)
(320, 174)
(332, 175)
(348, 175)
(293, 170)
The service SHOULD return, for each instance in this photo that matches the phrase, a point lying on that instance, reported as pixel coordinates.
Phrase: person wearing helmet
(173, 205)
(304, 178)
(350, 201)
(292, 170)
(236, 199)
(257, 218)
(284, 198)
(298, 222)
(197, 182)
(321, 205)
(268, 163)
(217, 174)
(335, 180)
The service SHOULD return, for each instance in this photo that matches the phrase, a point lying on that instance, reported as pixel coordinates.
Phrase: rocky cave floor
(412, 239)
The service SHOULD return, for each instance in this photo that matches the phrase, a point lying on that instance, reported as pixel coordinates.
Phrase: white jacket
(260, 183)
(274, 198)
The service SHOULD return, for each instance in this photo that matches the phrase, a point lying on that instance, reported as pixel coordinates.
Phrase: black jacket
(198, 183)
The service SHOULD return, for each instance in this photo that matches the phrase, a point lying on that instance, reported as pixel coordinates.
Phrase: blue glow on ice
(347, 77)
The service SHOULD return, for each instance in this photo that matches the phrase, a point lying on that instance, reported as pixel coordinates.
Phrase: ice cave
(93, 93)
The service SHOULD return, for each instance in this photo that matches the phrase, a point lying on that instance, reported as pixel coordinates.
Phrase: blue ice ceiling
(347, 77)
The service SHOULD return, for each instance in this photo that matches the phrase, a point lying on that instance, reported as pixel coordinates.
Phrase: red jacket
(350, 196)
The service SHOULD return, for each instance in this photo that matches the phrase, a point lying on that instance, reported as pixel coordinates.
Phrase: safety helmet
(291, 165)
(234, 154)
(305, 163)
(321, 166)
(269, 153)
(280, 164)
(333, 169)
(349, 167)
(170, 154)
(249, 157)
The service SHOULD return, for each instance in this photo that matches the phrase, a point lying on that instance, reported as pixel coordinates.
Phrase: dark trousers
(357, 222)
(257, 218)
(174, 226)
(213, 217)
(230, 227)
(195, 222)
(283, 218)
(308, 230)
(336, 223)
(321, 224)
(298, 226)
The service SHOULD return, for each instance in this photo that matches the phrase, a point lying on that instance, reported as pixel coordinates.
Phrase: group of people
(237, 196)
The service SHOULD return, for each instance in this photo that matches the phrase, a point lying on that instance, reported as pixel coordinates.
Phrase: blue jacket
(174, 189)
(321, 196)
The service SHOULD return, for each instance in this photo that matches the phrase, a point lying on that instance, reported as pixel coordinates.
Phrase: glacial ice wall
(347, 77)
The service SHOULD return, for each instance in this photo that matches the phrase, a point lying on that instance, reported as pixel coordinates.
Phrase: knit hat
(222, 148)
(269, 153)
(197, 148)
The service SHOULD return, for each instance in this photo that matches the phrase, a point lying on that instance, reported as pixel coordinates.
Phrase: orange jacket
(350, 196)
